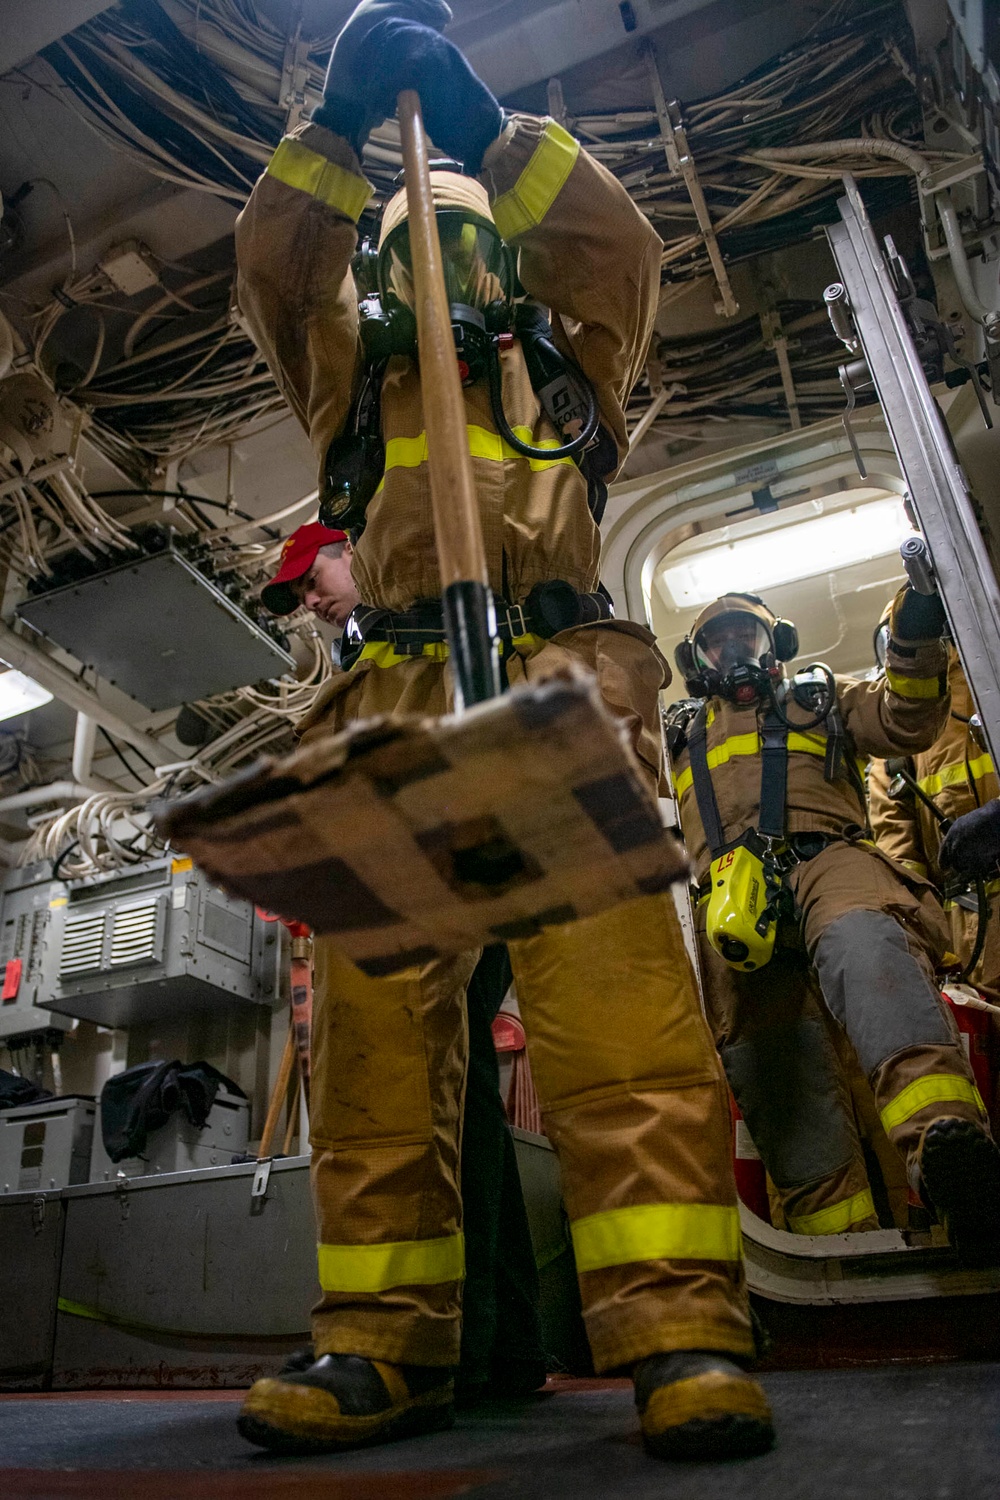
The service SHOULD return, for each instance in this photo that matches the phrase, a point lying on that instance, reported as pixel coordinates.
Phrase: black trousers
(500, 1320)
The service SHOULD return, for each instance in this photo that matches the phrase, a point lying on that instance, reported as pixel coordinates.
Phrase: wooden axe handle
(457, 527)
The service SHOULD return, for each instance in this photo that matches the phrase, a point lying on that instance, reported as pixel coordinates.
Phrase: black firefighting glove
(346, 108)
(972, 844)
(461, 115)
(917, 617)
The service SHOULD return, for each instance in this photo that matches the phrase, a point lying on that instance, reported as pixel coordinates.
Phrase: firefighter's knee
(877, 989)
(786, 1083)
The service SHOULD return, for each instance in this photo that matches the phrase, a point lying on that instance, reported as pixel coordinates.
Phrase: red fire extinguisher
(751, 1177)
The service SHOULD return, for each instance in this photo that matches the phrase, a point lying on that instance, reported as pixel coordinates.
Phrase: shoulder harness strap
(773, 776)
(704, 791)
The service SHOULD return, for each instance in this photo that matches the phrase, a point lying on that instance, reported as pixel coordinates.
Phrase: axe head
(405, 839)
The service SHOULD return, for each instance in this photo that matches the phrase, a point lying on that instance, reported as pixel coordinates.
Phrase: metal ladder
(871, 321)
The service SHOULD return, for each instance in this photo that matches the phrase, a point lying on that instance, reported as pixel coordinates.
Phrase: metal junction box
(28, 898)
(158, 629)
(179, 1146)
(158, 940)
(46, 1145)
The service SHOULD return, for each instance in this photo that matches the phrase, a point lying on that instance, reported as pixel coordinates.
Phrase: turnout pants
(631, 1091)
(865, 966)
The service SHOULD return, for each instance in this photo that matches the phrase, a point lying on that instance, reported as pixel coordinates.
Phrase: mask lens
(475, 268)
(731, 640)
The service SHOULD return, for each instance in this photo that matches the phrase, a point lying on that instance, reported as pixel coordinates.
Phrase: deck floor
(904, 1432)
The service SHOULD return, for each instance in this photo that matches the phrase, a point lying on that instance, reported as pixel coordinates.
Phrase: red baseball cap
(297, 556)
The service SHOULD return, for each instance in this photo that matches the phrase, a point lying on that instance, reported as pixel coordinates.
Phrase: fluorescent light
(820, 545)
(20, 694)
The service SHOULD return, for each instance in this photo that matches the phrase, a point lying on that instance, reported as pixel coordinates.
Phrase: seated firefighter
(635, 1107)
(802, 921)
(913, 799)
(501, 1350)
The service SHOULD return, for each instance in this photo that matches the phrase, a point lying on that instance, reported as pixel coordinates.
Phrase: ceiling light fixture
(20, 694)
(819, 545)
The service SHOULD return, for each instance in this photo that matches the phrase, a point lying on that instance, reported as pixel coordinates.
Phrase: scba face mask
(476, 263)
(732, 640)
(735, 649)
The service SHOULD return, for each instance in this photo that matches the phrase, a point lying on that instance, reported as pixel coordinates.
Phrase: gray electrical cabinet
(28, 899)
(179, 1146)
(157, 940)
(46, 1145)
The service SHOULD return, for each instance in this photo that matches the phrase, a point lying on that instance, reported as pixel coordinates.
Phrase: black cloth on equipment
(15, 1091)
(142, 1099)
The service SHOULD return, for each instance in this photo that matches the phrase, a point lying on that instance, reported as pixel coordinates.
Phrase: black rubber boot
(344, 1401)
(960, 1177)
(694, 1404)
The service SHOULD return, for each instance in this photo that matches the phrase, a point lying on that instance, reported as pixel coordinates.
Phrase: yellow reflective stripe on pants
(411, 452)
(656, 1231)
(933, 1088)
(525, 204)
(837, 1218)
(298, 167)
(376, 1268)
(914, 687)
(956, 775)
(748, 744)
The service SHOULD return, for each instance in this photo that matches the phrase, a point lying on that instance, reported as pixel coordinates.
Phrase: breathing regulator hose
(554, 378)
(829, 701)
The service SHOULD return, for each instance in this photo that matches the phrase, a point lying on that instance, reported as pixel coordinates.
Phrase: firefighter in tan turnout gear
(803, 923)
(632, 1094)
(956, 774)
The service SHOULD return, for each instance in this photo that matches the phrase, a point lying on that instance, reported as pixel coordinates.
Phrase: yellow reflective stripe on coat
(656, 1231)
(837, 1218)
(933, 1088)
(533, 194)
(376, 1268)
(298, 167)
(914, 687)
(411, 452)
(956, 774)
(748, 744)
(384, 654)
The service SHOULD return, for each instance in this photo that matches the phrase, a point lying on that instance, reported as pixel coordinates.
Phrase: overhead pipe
(28, 658)
(974, 306)
(53, 791)
(84, 742)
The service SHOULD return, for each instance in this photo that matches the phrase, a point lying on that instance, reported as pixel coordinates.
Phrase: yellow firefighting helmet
(478, 268)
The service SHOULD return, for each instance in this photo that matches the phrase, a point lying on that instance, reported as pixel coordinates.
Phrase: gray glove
(346, 108)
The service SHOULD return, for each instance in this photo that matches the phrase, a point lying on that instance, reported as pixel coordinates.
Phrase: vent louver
(133, 936)
(83, 942)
